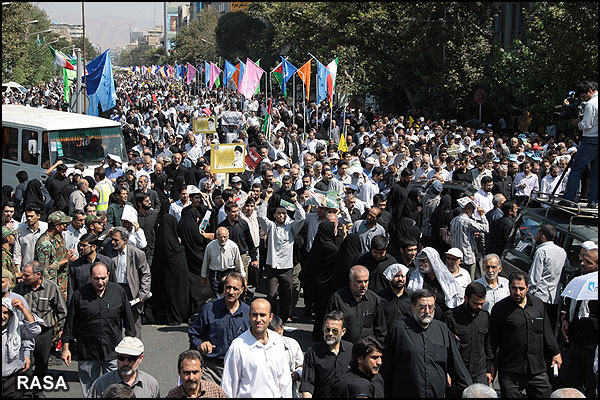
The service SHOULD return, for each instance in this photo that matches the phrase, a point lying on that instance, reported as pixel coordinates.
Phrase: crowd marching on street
(345, 208)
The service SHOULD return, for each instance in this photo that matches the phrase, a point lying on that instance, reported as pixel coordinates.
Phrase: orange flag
(304, 74)
(236, 75)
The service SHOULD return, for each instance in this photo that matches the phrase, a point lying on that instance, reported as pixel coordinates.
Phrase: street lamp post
(37, 33)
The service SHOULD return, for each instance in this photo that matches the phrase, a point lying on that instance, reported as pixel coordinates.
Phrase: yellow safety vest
(104, 189)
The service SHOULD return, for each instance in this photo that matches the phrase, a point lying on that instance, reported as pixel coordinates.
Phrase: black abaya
(350, 250)
(171, 267)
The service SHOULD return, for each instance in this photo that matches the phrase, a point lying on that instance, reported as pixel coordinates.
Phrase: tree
(196, 42)
(236, 35)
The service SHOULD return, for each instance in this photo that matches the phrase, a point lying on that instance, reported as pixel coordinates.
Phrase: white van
(34, 138)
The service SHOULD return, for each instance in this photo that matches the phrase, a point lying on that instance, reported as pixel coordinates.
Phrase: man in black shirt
(377, 260)
(96, 315)
(363, 379)
(420, 352)
(55, 185)
(503, 183)
(360, 305)
(328, 361)
(470, 326)
(522, 335)
(239, 232)
(397, 295)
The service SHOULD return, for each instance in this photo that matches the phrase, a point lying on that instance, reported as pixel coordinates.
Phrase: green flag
(68, 75)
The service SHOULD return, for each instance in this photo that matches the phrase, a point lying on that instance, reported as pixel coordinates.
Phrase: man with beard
(130, 354)
(421, 352)
(363, 379)
(470, 325)
(217, 324)
(397, 295)
(523, 340)
(376, 261)
(501, 228)
(256, 363)
(190, 368)
(328, 361)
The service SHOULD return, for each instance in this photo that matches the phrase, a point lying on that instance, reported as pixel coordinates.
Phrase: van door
(10, 155)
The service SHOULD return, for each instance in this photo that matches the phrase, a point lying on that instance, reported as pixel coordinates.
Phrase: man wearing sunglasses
(328, 361)
(130, 353)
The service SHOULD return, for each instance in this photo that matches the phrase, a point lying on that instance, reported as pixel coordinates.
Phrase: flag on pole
(258, 87)
(228, 73)
(236, 75)
(287, 70)
(322, 74)
(68, 76)
(100, 84)
(60, 60)
(267, 122)
(342, 146)
(278, 74)
(410, 121)
(304, 74)
(214, 75)
(251, 78)
(332, 68)
(191, 72)
(206, 73)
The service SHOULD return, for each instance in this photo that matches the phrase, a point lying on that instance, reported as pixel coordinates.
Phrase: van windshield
(88, 146)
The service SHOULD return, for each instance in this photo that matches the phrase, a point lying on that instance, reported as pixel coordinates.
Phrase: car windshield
(88, 146)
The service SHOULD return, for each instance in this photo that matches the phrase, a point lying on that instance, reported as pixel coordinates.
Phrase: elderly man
(360, 305)
(18, 325)
(463, 229)
(47, 302)
(221, 257)
(256, 364)
(434, 276)
(496, 286)
(421, 352)
(326, 362)
(130, 354)
(132, 272)
(190, 369)
(461, 276)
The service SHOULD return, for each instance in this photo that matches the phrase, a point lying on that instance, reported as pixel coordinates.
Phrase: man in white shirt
(550, 181)
(75, 230)
(280, 247)
(496, 287)
(28, 234)
(221, 257)
(184, 201)
(483, 197)
(525, 182)
(461, 276)
(256, 364)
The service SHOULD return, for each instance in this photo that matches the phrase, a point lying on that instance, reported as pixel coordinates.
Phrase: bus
(33, 139)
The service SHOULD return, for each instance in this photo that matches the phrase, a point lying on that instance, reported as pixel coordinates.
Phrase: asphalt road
(162, 345)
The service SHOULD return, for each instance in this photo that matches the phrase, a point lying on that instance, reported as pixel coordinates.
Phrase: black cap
(61, 167)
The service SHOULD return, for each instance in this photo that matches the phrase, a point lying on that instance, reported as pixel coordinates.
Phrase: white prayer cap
(115, 157)
(456, 252)
(393, 269)
(589, 245)
(191, 190)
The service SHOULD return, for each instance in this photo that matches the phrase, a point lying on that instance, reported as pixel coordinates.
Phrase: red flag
(252, 158)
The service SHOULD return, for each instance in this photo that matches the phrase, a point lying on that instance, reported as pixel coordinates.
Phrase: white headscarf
(444, 276)
(393, 269)
(14, 338)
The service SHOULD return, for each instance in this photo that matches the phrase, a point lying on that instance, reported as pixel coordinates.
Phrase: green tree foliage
(197, 41)
(239, 35)
(23, 60)
(143, 54)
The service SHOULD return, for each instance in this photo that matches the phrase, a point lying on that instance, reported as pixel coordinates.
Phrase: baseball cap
(62, 167)
(236, 179)
(6, 231)
(456, 252)
(589, 245)
(370, 160)
(58, 217)
(130, 346)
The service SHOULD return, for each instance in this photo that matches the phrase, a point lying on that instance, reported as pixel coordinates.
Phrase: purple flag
(250, 79)
(191, 72)
(214, 74)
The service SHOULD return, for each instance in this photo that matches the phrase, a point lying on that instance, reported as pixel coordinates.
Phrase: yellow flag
(342, 146)
(410, 121)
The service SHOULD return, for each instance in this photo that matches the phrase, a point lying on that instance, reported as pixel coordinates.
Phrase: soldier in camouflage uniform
(51, 251)
(8, 241)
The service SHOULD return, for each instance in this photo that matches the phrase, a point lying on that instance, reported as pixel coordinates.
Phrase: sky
(107, 23)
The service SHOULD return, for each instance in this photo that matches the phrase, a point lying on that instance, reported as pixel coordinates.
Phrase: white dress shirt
(280, 238)
(483, 199)
(24, 250)
(222, 258)
(72, 236)
(531, 183)
(176, 208)
(121, 267)
(462, 278)
(253, 369)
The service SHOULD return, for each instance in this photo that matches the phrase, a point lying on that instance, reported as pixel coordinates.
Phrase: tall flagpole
(294, 100)
(304, 115)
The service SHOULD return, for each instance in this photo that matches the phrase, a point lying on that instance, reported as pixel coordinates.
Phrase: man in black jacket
(55, 185)
(500, 229)
(522, 335)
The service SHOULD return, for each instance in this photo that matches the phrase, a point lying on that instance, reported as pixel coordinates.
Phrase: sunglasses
(122, 357)
(335, 331)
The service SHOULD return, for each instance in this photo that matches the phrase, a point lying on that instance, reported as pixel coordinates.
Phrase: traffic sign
(480, 96)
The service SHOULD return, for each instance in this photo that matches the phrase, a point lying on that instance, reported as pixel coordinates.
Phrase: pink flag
(191, 72)
(214, 74)
(250, 79)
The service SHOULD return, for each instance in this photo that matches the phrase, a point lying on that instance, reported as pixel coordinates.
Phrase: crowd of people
(400, 277)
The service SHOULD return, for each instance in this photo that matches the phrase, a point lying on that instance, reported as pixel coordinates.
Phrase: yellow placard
(204, 125)
(227, 157)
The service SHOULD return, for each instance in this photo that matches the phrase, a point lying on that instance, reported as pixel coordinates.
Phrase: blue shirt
(214, 323)
(110, 174)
